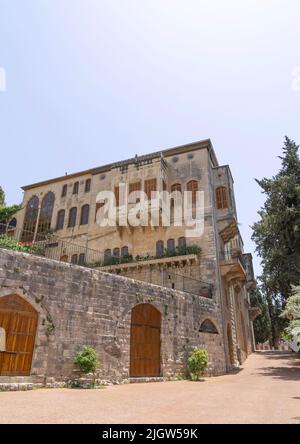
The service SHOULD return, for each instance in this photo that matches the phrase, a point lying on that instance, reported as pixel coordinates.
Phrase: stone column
(233, 322)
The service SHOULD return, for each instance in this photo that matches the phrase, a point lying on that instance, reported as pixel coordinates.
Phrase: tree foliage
(2, 197)
(292, 313)
(6, 212)
(197, 363)
(277, 233)
(87, 360)
(262, 324)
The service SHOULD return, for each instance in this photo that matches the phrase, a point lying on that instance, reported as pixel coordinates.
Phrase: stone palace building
(143, 296)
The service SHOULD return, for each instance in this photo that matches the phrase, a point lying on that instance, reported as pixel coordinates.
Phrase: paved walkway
(266, 390)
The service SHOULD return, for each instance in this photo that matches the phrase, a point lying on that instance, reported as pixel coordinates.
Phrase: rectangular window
(87, 187)
(117, 196)
(150, 186)
(76, 188)
(64, 191)
(98, 205)
(134, 187)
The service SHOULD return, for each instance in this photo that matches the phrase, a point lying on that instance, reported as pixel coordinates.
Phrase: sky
(88, 82)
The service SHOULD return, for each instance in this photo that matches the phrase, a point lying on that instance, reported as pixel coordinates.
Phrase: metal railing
(48, 245)
(232, 255)
(53, 247)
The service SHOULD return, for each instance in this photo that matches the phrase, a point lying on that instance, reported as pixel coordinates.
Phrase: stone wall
(78, 306)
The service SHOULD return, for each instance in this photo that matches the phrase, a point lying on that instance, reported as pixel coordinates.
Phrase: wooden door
(19, 320)
(145, 341)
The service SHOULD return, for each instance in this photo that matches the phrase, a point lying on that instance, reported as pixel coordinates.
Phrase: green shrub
(87, 360)
(197, 363)
(193, 249)
(11, 243)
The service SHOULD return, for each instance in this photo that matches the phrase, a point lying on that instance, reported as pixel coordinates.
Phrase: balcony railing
(232, 264)
(51, 246)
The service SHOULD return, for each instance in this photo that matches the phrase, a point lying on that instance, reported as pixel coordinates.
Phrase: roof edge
(206, 143)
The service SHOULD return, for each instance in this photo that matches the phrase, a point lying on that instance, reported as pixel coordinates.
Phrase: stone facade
(79, 306)
(213, 284)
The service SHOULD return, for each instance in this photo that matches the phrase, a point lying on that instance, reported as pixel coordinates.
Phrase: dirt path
(265, 390)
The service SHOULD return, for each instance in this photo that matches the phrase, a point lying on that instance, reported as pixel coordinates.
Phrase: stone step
(20, 379)
(146, 379)
(13, 386)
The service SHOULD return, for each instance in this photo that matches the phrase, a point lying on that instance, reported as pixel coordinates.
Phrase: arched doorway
(19, 320)
(145, 341)
(230, 345)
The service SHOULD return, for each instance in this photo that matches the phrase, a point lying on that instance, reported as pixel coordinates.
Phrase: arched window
(208, 326)
(84, 218)
(74, 259)
(46, 213)
(160, 248)
(124, 251)
(182, 245)
(11, 227)
(72, 217)
(64, 191)
(116, 253)
(75, 188)
(13, 223)
(221, 198)
(176, 187)
(107, 254)
(30, 219)
(87, 186)
(171, 246)
(81, 259)
(60, 220)
(193, 187)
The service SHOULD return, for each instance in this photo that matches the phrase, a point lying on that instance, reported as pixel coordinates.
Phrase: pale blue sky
(94, 81)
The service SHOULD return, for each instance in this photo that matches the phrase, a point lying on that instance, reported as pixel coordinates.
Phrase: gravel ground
(265, 390)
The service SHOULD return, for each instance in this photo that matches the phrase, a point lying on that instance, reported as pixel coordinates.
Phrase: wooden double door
(19, 321)
(145, 341)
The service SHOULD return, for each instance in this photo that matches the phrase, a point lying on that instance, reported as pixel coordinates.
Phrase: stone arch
(208, 326)
(40, 352)
(145, 341)
(19, 319)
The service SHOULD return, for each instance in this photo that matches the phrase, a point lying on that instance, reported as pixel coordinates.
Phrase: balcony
(232, 265)
(250, 277)
(174, 261)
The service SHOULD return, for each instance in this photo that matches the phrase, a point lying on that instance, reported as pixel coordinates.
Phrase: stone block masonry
(78, 306)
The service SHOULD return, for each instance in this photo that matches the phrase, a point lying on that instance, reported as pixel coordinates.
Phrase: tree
(292, 313)
(277, 234)
(262, 324)
(6, 212)
(2, 197)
